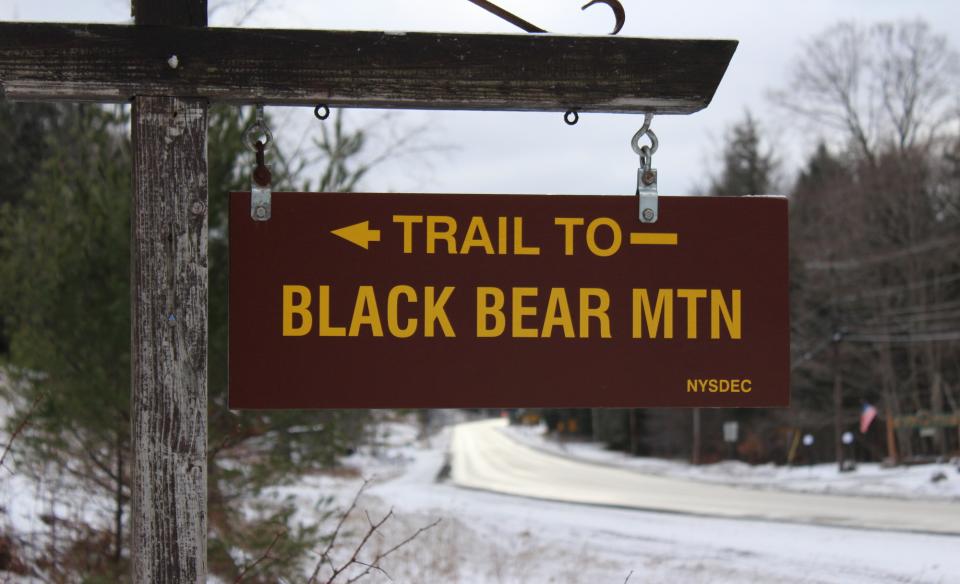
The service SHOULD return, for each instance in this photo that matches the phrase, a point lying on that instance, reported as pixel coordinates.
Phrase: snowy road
(492, 538)
(484, 458)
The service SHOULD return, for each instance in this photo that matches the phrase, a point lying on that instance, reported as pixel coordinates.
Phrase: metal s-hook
(647, 190)
(259, 137)
(619, 14)
(645, 131)
(258, 132)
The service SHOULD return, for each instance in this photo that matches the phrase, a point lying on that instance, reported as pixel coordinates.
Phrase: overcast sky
(537, 153)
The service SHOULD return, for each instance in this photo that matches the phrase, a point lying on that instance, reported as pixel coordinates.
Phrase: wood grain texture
(361, 69)
(169, 320)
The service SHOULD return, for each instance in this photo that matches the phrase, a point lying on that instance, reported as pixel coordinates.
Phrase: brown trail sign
(169, 65)
(425, 301)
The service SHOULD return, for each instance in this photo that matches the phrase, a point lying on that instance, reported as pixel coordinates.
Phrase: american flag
(866, 417)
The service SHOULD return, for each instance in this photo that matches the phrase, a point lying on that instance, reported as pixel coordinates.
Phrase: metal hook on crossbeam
(259, 138)
(619, 13)
(258, 132)
(647, 191)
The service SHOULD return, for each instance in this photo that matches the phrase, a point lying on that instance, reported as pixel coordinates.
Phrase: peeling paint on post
(169, 319)
(169, 325)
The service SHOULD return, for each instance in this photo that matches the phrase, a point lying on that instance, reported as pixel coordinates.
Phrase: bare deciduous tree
(887, 86)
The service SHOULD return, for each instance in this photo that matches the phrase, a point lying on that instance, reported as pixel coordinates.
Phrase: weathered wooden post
(169, 321)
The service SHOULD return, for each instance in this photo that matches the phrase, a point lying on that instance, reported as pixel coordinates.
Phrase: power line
(936, 307)
(920, 337)
(894, 290)
(854, 263)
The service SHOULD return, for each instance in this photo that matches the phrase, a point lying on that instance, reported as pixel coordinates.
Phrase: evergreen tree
(64, 288)
(748, 168)
(24, 127)
(64, 275)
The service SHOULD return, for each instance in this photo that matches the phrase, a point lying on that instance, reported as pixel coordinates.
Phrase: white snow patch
(869, 479)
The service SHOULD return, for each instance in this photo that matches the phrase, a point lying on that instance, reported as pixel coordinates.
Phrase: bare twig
(373, 528)
(375, 565)
(363, 542)
(23, 424)
(263, 558)
(628, 577)
(325, 556)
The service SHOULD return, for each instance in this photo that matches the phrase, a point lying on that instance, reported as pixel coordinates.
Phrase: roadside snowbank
(869, 479)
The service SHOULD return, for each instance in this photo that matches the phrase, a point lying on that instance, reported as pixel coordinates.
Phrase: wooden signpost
(486, 301)
(170, 66)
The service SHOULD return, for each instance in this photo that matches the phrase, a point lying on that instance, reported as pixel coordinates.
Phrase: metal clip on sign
(646, 174)
(259, 138)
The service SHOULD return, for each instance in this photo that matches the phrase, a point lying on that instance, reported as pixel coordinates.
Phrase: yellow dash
(653, 238)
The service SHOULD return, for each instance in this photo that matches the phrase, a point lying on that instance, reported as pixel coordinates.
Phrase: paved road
(485, 458)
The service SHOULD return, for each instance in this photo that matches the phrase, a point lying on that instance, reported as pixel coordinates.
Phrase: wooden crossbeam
(112, 63)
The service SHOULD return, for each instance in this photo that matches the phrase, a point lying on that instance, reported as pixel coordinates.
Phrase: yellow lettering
(520, 311)
(393, 320)
(365, 312)
(301, 309)
(485, 310)
(435, 234)
(568, 224)
(592, 237)
(477, 236)
(407, 221)
(598, 312)
(502, 236)
(323, 326)
(642, 313)
(731, 318)
(434, 312)
(558, 314)
(518, 247)
(691, 296)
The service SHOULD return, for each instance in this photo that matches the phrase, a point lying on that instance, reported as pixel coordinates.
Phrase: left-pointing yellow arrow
(358, 234)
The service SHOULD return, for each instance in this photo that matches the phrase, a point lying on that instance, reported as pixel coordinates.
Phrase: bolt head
(648, 214)
(648, 178)
(260, 212)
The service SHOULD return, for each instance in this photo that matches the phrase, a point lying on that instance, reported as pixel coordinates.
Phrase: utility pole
(695, 458)
(837, 400)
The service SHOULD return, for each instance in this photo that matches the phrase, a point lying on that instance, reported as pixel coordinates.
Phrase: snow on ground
(869, 479)
(30, 494)
(491, 538)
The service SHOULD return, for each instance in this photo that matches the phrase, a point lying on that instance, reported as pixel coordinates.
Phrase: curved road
(485, 458)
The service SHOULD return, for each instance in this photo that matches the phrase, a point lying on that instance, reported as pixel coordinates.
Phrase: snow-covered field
(490, 538)
(926, 481)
